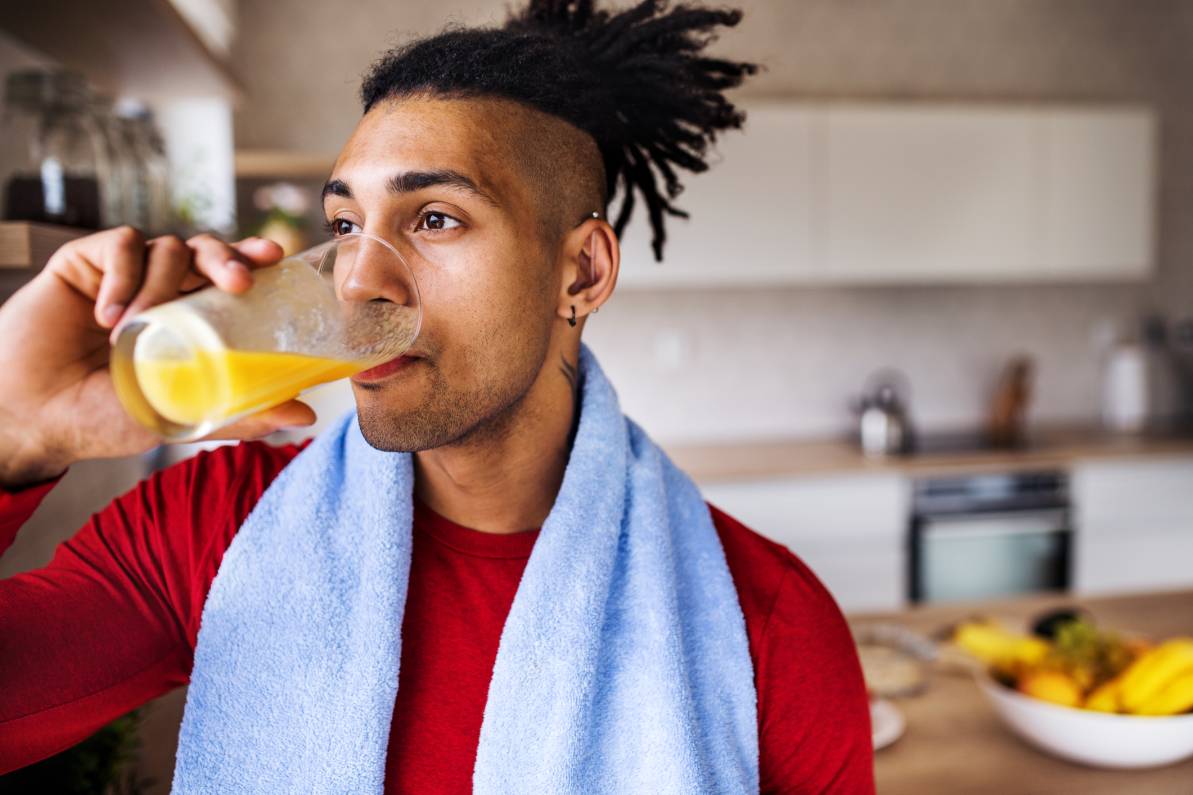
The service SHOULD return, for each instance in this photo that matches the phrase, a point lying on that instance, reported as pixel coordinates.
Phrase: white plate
(886, 723)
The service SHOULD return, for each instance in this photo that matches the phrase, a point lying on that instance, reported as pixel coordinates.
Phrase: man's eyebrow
(336, 187)
(410, 181)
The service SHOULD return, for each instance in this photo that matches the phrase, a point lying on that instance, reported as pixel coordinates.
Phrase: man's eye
(342, 226)
(436, 222)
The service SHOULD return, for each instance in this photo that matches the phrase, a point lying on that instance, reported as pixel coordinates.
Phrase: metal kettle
(884, 425)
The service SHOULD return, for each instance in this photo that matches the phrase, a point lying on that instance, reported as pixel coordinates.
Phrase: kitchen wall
(789, 359)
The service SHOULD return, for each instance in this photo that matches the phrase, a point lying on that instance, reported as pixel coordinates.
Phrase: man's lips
(385, 369)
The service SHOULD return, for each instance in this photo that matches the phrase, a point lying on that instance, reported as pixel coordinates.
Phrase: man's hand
(57, 402)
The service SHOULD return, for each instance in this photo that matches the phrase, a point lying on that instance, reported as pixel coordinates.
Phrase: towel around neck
(623, 665)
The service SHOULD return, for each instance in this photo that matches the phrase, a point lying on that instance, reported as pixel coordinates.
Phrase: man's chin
(396, 431)
(384, 433)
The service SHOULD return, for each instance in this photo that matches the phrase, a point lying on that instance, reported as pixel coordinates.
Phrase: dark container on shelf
(53, 159)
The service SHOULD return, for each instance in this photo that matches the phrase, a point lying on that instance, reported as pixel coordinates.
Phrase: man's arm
(813, 712)
(815, 729)
(111, 622)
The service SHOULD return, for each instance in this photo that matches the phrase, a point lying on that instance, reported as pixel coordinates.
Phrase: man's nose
(367, 270)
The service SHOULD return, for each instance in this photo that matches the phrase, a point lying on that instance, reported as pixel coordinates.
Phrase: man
(489, 158)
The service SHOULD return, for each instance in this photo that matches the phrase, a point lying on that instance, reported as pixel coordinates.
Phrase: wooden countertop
(1050, 448)
(954, 742)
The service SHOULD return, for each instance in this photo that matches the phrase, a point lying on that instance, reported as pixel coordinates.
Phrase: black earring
(572, 319)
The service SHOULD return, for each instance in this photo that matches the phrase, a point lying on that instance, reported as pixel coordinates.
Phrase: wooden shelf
(282, 164)
(140, 47)
(27, 246)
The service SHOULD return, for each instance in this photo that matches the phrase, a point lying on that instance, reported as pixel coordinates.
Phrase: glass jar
(121, 204)
(56, 167)
(141, 137)
(157, 168)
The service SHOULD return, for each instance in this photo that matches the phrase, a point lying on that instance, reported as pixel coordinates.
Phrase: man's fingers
(229, 266)
(192, 280)
(226, 267)
(123, 256)
(291, 414)
(167, 263)
(110, 266)
(258, 251)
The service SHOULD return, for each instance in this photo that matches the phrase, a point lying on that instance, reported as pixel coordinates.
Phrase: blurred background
(930, 324)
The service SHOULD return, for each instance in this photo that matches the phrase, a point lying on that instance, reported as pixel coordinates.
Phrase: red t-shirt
(112, 621)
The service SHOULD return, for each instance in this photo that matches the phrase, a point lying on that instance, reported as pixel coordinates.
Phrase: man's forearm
(24, 462)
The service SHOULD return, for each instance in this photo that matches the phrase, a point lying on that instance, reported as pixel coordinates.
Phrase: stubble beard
(448, 418)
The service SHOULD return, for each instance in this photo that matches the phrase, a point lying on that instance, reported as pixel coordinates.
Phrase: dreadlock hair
(634, 80)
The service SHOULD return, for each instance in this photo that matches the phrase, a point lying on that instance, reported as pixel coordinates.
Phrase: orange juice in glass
(189, 366)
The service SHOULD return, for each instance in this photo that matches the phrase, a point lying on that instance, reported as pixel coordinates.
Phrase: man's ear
(592, 257)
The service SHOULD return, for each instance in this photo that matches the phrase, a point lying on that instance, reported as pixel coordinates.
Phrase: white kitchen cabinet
(889, 193)
(1097, 204)
(927, 194)
(850, 529)
(1134, 522)
(751, 212)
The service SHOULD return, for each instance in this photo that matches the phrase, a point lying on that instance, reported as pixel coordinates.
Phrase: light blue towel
(623, 666)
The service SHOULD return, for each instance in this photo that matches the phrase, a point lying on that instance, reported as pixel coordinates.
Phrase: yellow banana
(1105, 697)
(1152, 671)
(994, 645)
(1030, 651)
(1174, 698)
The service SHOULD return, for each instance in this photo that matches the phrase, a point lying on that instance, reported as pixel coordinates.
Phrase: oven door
(982, 555)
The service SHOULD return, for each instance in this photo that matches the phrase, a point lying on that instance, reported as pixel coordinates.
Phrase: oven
(990, 535)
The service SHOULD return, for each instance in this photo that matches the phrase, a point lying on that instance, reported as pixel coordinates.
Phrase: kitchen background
(747, 363)
(718, 347)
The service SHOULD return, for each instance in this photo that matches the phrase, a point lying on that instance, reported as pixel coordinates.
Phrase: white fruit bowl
(1092, 738)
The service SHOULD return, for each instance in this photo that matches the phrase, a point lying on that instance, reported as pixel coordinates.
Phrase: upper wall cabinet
(751, 212)
(1098, 212)
(914, 193)
(926, 194)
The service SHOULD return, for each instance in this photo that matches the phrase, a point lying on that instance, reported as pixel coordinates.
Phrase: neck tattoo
(569, 372)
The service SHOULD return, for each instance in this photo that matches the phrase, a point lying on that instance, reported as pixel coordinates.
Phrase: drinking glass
(189, 366)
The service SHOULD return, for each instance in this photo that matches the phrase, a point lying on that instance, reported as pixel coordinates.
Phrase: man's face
(440, 180)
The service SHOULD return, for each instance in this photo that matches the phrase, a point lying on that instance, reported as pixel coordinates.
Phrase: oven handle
(1011, 523)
